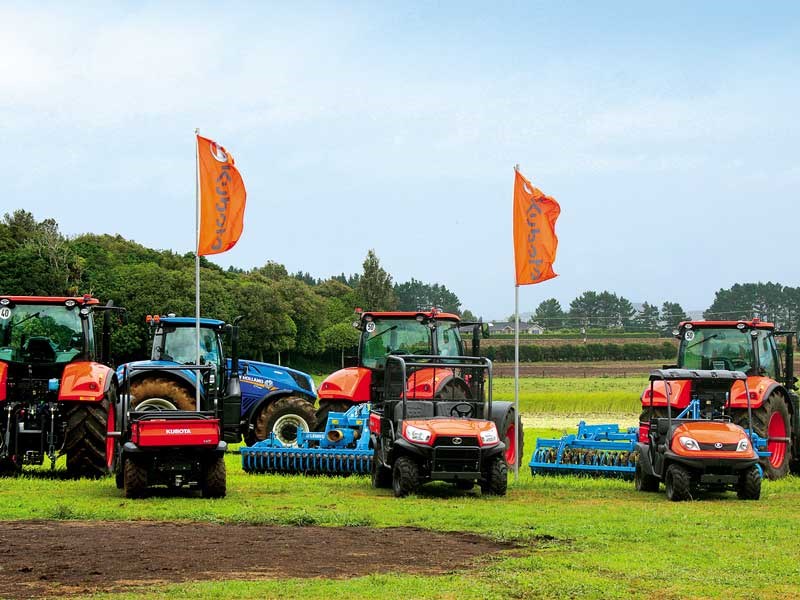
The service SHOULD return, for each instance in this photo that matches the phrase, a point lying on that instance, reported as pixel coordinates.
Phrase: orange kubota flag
(535, 240)
(222, 199)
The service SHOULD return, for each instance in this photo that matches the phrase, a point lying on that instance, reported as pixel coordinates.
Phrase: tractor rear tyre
(162, 388)
(405, 477)
(381, 475)
(772, 421)
(496, 477)
(644, 482)
(749, 484)
(135, 480)
(678, 482)
(454, 390)
(514, 443)
(283, 417)
(86, 440)
(325, 408)
(214, 479)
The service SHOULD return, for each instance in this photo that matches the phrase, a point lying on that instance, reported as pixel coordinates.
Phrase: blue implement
(602, 450)
(342, 449)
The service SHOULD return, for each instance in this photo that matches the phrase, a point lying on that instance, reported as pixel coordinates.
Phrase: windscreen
(716, 348)
(179, 346)
(406, 336)
(40, 333)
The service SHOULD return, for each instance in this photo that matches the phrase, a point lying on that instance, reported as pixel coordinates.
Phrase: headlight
(417, 435)
(489, 436)
(743, 446)
(689, 443)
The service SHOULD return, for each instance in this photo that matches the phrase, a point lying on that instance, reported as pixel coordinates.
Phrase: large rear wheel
(513, 438)
(283, 417)
(164, 389)
(86, 439)
(325, 408)
(772, 421)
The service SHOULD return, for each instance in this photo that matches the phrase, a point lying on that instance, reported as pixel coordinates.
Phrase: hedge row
(582, 352)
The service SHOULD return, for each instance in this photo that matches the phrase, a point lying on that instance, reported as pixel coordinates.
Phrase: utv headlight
(416, 435)
(490, 436)
(689, 443)
(743, 446)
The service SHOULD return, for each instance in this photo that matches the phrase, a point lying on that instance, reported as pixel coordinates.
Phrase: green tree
(341, 337)
(374, 287)
(672, 313)
(647, 319)
(549, 314)
(416, 295)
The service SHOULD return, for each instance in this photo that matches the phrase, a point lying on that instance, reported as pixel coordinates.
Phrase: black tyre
(749, 484)
(464, 485)
(214, 479)
(678, 482)
(381, 475)
(325, 408)
(495, 477)
(9, 468)
(119, 477)
(644, 482)
(515, 444)
(283, 417)
(85, 439)
(772, 421)
(182, 397)
(405, 477)
(135, 480)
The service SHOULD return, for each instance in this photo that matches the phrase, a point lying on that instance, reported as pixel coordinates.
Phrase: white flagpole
(516, 381)
(197, 267)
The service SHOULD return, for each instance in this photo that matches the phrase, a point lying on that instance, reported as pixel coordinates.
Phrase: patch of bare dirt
(74, 557)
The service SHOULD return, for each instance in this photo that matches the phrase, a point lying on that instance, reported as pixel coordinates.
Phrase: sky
(668, 134)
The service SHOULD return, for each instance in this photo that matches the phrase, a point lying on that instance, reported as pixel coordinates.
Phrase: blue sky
(669, 135)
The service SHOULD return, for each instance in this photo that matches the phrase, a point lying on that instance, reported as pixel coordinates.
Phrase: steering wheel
(462, 410)
(740, 364)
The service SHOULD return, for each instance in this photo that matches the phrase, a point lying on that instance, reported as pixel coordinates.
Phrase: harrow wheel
(678, 482)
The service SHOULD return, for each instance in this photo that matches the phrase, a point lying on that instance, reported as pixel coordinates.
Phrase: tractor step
(342, 449)
(599, 450)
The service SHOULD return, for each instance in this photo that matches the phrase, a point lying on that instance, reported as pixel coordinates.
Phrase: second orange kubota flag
(535, 240)
(222, 199)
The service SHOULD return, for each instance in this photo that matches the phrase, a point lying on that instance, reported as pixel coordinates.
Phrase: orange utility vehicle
(436, 336)
(750, 347)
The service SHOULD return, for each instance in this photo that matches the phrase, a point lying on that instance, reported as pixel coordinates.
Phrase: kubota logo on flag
(222, 199)
(535, 240)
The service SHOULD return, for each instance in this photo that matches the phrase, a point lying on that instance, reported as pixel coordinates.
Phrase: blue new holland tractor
(274, 399)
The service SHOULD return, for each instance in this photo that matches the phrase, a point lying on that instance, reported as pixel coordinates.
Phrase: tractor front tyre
(772, 421)
(381, 475)
(164, 389)
(514, 439)
(749, 484)
(85, 439)
(134, 480)
(214, 479)
(644, 482)
(495, 480)
(283, 417)
(327, 407)
(405, 477)
(678, 482)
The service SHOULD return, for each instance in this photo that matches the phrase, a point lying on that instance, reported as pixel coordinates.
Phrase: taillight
(644, 432)
(374, 423)
(135, 433)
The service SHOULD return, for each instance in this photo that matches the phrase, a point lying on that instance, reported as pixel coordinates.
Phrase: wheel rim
(286, 427)
(776, 429)
(511, 445)
(111, 443)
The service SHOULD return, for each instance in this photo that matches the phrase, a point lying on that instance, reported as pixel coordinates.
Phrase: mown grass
(579, 537)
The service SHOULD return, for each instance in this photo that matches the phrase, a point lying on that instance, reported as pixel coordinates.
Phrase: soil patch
(74, 557)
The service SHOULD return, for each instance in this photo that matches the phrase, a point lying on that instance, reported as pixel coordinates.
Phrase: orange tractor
(417, 336)
(749, 347)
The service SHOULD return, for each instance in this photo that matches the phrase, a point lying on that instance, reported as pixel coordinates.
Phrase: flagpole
(197, 266)
(516, 382)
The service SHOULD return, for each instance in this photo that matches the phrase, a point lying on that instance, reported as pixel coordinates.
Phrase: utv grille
(721, 448)
(453, 459)
(447, 440)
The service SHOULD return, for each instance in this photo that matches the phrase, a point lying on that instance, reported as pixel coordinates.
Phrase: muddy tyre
(283, 417)
(513, 438)
(496, 477)
(644, 482)
(85, 439)
(772, 421)
(749, 484)
(325, 408)
(135, 480)
(678, 482)
(405, 477)
(214, 479)
(165, 389)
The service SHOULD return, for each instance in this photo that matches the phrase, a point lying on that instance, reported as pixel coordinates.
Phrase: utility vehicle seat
(415, 409)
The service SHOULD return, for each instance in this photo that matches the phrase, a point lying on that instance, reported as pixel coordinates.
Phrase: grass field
(578, 537)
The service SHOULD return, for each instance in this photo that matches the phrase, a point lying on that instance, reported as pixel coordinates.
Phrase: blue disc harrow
(600, 450)
(342, 449)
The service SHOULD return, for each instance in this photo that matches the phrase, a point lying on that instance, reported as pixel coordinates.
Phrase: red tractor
(57, 393)
(431, 333)
(750, 347)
